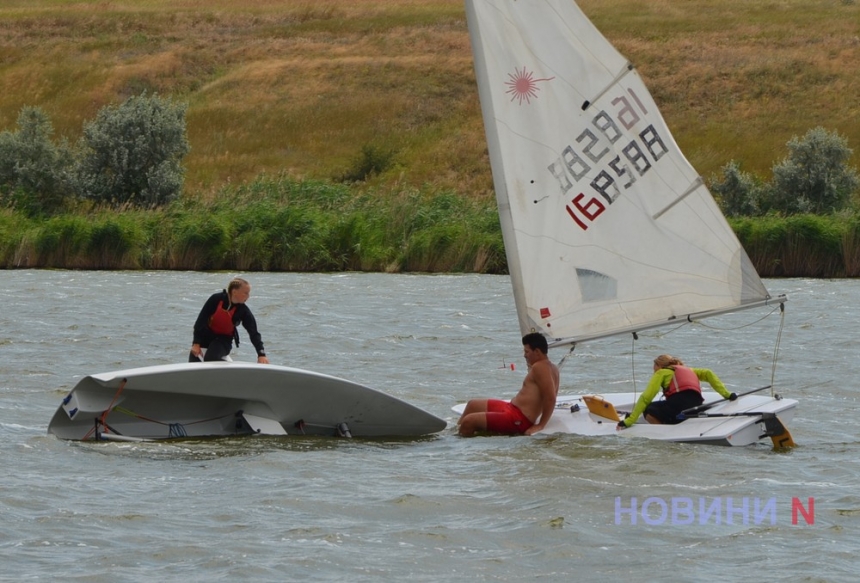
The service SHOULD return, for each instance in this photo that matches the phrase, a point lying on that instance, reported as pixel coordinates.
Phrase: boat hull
(231, 398)
(730, 423)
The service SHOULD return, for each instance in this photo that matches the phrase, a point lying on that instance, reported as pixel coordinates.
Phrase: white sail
(606, 225)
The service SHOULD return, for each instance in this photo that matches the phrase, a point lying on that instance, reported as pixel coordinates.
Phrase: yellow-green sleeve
(709, 377)
(655, 385)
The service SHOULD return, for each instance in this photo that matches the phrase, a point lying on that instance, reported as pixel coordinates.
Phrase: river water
(558, 508)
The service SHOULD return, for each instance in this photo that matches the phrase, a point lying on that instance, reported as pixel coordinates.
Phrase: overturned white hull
(734, 423)
(231, 398)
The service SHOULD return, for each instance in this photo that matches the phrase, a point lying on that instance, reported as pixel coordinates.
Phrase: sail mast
(494, 147)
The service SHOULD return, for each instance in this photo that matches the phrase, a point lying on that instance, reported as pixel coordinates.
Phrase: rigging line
(633, 364)
(131, 413)
(115, 397)
(563, 358)
(662, 334)
(211, 419)
(768, 315)
(776, 347)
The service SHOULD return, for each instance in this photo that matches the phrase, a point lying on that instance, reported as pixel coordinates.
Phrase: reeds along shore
(269, 225)
(284, 225)
(825, 246)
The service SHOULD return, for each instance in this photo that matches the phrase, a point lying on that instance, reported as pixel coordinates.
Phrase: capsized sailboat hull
(231, 398)
(731, 423)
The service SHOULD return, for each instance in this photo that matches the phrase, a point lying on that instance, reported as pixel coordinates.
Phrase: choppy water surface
(441, 507)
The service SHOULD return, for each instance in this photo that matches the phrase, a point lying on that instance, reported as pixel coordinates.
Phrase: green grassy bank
(279, 224)
(271, 224)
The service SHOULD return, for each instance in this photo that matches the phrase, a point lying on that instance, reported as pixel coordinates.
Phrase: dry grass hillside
(305, 86)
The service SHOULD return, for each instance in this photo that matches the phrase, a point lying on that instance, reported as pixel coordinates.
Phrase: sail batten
(606, 225)
(699, 182)
(627, 68)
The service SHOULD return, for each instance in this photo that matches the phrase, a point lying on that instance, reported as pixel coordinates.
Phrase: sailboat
(607, 227)
(229, 399)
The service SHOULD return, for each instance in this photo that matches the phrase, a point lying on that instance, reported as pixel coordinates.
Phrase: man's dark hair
(536, 341)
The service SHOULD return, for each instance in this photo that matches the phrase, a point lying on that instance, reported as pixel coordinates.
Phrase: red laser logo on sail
(522, 86)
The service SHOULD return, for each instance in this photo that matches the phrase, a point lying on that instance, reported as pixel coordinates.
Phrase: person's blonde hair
(236, 283)
(667, 361)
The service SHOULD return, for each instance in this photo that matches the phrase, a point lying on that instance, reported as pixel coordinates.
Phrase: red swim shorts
(502, 417)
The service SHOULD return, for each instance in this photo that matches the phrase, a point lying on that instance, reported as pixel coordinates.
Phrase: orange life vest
(684, 379)
(221, 322)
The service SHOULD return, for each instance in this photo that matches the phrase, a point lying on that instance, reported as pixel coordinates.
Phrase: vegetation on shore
(278, 224)
(360, 113)
(271, 224)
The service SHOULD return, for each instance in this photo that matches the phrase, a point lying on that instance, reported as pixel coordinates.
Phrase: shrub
(132, 153)
(372, 161)
(738, 193)
(814, 178)
(34, 172)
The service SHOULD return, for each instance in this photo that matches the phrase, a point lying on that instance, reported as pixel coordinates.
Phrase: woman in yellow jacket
(681, 390)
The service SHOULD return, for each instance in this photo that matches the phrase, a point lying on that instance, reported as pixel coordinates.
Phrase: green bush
(131, 154)
(372, 160)
(814, 178)
(738, 192)
(35, 174)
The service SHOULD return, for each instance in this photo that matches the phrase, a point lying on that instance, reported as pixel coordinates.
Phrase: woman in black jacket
(216, 326)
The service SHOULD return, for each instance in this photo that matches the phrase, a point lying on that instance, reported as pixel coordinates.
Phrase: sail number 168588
(621, 172)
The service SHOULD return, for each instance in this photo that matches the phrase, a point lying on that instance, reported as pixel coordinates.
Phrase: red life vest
(221, 322)
(684, 379)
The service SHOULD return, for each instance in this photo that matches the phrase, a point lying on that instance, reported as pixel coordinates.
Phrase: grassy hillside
(304, 87)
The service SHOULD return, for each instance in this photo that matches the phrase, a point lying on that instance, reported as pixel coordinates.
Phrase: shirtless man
(536, 399)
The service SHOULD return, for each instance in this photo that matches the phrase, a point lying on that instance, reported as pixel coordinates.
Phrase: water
(441, 507)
